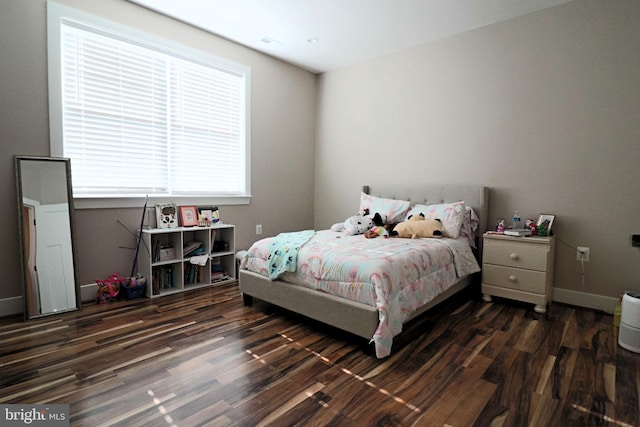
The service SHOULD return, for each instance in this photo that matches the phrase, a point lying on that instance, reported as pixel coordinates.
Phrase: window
(141, 116)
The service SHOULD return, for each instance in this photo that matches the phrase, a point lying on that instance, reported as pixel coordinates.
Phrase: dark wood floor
(202, 358)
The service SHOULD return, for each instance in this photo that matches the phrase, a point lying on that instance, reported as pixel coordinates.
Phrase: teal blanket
(283, 252)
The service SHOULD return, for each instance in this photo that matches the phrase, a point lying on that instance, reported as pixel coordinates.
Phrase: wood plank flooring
(203, 358)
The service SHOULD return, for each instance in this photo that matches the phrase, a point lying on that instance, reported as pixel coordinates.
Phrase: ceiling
(325, 35)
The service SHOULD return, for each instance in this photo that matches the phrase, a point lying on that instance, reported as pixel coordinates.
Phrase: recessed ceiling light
(271, 41)
(312, 40)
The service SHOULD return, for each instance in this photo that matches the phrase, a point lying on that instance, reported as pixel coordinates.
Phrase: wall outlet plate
(582, 253)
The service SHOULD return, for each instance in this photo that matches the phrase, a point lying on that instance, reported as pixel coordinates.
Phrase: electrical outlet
(582, 253)
(258, 228)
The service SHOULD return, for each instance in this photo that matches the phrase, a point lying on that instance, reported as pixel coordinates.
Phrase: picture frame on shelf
(205, 214)
(188, 216)
(209, 213)
(166, 215)
(204, 217)
(545, 221)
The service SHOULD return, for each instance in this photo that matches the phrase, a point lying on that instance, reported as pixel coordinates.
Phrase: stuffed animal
(359, 224)
(375, 231)
(107, 291)
(417, 226)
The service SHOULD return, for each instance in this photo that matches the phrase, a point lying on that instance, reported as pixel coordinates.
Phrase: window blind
(139, 120)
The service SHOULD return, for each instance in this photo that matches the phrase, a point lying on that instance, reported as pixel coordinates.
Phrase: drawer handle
(512, 278)
(513, 256)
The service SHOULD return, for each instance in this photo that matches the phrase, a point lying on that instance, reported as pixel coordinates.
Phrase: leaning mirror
(45, 214)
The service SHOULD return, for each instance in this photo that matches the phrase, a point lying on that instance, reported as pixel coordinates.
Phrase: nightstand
(518, 268)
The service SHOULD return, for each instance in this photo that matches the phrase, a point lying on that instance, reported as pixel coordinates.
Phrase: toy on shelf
(531, 225)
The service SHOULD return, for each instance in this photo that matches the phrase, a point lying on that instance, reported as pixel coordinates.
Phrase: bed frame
(354, 317)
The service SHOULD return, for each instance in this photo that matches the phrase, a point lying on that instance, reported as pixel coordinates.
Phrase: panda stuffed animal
(417, 226)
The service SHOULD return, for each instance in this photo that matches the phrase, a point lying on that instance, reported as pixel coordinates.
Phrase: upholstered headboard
(475, 196)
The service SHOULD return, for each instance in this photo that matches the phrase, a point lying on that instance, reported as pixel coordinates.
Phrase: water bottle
(516, 220)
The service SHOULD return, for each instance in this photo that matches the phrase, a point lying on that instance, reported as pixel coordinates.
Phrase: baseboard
(11, 306)
(14, 305)
(582, 299)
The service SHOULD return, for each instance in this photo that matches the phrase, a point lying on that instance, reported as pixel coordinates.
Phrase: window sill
(138, 202)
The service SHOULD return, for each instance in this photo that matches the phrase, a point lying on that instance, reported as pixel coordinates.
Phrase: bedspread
(395, 275)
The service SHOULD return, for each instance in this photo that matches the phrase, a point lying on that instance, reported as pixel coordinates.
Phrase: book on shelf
(156, 250)
(162, 279)
(219, 276)
(190, 248)
(518, 232)
(192, 274)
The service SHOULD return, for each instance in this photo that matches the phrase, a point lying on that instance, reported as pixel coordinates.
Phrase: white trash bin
(629, 334)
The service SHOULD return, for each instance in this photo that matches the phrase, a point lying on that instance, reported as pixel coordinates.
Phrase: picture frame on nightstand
(545, 221)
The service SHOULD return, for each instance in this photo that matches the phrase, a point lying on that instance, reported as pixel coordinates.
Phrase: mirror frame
(23, 262)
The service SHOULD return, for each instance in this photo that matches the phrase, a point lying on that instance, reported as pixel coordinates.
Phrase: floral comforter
(394, 275)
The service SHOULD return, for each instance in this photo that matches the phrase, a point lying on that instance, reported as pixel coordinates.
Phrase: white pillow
(395, 210)
(450, 214)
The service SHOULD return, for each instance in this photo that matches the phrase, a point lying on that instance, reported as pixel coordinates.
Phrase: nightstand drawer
(512, 253)
(514, 278)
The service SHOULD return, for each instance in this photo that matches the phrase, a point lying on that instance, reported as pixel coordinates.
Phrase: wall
(543, 109)
(283, 128)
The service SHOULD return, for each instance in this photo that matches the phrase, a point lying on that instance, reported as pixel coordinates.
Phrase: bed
(370, 287)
